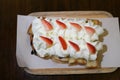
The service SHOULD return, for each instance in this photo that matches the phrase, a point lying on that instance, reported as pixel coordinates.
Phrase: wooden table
(8, 14)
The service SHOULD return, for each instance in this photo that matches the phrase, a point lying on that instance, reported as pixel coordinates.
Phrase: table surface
(9, 9)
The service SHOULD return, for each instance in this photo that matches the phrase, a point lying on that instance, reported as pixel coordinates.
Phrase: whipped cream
(70, 34)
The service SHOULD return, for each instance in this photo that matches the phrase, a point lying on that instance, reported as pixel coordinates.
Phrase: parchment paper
(25, 59)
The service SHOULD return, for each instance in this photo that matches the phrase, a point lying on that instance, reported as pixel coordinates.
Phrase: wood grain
(8, 19)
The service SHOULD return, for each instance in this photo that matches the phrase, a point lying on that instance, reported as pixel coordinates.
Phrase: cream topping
(70, 34)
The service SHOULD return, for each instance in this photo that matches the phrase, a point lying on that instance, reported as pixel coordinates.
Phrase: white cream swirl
(69, 34)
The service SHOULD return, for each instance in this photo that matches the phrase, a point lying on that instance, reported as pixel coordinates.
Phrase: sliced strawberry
(61, 24)
(74, 45)
(47, 40)
(47, 25)
(63, 43)
(90, 30)
(75, 25)
(91, 48)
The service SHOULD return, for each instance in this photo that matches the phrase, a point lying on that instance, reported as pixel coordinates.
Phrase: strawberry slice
(47, 25)
(47, 40)
(90, 30)
(63, 43)
(91, 48)
(75, 25)
(74, 45)
(61, 24)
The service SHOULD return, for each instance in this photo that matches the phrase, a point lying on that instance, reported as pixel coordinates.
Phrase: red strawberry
(61, 24)
(90, 30)
(74, 45)
(47, 25)
(47, 40)
(77, 26)
(63, 43)
(91, 48)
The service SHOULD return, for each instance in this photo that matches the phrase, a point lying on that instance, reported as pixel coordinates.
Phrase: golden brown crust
(30, 30)
(81, 61)
(59, 60)
(92, 64)
(96, 22)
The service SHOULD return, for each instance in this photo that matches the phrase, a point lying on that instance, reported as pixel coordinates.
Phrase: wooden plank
(60, 5)
(80, 14)
(68, 71)
(112, 6)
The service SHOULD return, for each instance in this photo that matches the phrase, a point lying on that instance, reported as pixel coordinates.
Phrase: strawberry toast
(67, 40)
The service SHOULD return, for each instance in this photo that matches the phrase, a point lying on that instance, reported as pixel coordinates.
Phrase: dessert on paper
(67, 40)
(110, 40)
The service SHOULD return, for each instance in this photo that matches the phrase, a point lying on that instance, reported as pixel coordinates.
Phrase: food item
(67, 40)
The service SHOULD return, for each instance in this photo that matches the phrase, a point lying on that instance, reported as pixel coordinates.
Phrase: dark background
(8, 20)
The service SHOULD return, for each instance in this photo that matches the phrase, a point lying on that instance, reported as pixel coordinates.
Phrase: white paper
(25, 59)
